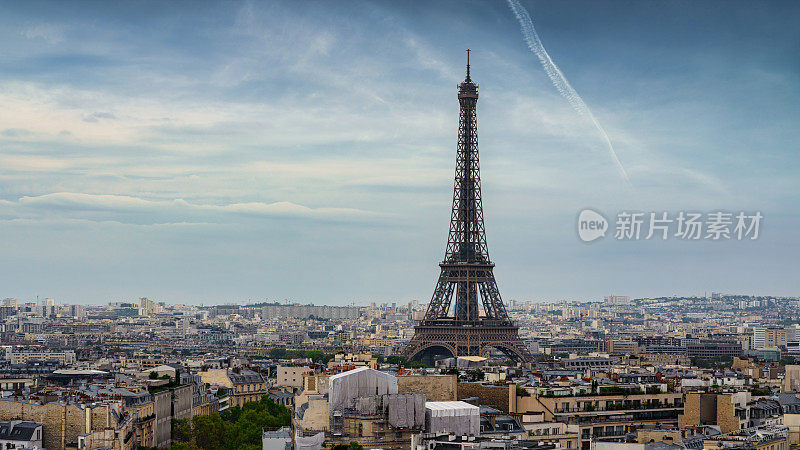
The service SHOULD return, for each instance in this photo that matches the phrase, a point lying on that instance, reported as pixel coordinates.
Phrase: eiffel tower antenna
(466, 315)
(468, 78)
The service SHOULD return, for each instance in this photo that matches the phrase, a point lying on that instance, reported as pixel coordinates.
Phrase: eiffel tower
(456, 323)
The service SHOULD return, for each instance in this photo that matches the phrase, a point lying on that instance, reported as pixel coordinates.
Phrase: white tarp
(309, 443)
(406, 410)
(346, 387)
(458, 418)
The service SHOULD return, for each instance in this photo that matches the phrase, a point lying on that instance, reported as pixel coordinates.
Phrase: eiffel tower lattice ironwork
(466, 316)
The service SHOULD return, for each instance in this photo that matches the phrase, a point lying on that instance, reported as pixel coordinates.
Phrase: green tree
(236, 428)
(277, 353)
(181, 430)
(394, 359)
(474, 375)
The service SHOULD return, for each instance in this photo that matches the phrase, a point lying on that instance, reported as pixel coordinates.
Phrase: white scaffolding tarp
(458, 418)
(310, 442)
(406, 410)
(346, 387)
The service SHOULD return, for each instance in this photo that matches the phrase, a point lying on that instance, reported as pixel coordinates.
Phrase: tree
(236, 428)
(181, 430)
(394, 359)
(475, 375)
(154, 375)
(277, 353)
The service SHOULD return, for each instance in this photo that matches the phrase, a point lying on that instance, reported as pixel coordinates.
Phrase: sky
(229, 152)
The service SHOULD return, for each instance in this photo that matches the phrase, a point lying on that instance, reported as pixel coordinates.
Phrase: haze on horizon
(213, 153)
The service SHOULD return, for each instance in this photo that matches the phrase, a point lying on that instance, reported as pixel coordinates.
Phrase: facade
(602, 416)
(247, 386)
(762, 438)
(767, 337)
(291, 376)
(728, 410)
(64, 358)
(303, 311)
(244, 385)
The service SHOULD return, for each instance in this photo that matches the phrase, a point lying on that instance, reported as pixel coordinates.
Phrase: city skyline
(278, 152)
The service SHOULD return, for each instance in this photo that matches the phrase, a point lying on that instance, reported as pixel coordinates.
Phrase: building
(602, 413)
(728, 410)
(769, 337)
(65, 358)
(361, 405)
(617, 300)
(17, 434)
(280, 439)
(761, 438)
(791, 379)
(291, 376)
(278, 311)
(244, 385)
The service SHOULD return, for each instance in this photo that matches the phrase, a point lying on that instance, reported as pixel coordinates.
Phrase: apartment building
(291, 376)
(66, 358)
(603, 415)
(244, 385)
(728, 410)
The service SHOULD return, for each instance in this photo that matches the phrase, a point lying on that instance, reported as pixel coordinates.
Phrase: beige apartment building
(599, 416)
(66, 358)
(244, 385)
(292, 376)
(728, 410)
(63, 424)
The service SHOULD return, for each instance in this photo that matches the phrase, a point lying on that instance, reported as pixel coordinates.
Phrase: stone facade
(437, 388)
(495, 396)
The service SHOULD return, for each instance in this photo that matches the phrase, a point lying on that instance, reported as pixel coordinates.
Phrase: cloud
(97, 116)
(15, 132)
(51, 33)
(135, 210)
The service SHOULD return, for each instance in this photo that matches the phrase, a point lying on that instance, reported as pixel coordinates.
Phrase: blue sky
(225, 152)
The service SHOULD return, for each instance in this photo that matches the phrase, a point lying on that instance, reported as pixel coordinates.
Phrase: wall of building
(291, 376)
(163, 425)
(494, 396)
(437, 388)
(182, 402)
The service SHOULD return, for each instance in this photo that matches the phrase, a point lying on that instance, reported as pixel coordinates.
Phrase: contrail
(559, 80)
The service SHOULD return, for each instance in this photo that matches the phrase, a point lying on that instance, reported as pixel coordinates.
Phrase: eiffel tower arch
(466, 315)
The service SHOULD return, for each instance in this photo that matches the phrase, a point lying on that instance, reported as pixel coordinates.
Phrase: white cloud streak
(559, 80)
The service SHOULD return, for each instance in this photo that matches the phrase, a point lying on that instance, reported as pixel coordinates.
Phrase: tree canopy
(236, 428)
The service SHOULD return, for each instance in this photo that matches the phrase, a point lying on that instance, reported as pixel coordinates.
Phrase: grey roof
(245, 376)
(282, 433)
(22, 431)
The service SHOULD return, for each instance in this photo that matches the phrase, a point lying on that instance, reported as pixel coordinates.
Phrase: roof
(282, 433)
(21, 431)
(245, 376)
(452, 408)
(357, 371)
(473, 358)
